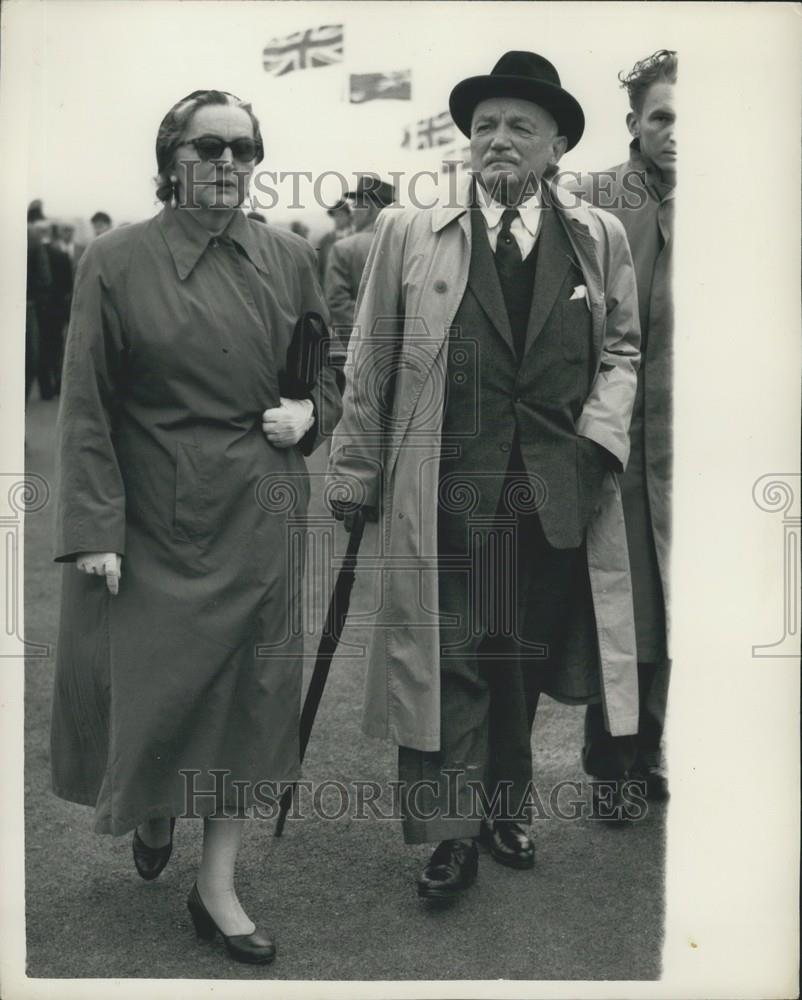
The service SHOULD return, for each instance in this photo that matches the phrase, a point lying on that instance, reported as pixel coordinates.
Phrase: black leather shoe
(508, 842)
(151, 861)
(451, 870)
(257, 948)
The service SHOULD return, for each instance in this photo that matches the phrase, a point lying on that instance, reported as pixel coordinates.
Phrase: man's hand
(107, 564)
(285, 425)
(348, 513)
(594, 463)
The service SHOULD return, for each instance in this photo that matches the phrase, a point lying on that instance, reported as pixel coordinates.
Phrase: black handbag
(307, 354)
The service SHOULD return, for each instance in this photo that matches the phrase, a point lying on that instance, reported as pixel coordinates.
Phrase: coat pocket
(577, 330)
(188, 520)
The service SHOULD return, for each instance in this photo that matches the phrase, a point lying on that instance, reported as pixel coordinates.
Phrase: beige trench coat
(386, 451)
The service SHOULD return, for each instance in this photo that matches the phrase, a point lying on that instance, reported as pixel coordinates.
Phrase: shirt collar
(188, 240)
(528, 210)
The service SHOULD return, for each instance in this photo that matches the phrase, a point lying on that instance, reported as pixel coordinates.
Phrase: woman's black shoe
(256, 948)
(151, 861)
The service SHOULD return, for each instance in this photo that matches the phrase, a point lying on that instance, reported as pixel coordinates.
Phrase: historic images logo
(21, 495)
(780, 494)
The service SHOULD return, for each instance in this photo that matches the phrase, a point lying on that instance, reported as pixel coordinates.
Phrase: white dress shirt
(524, 228)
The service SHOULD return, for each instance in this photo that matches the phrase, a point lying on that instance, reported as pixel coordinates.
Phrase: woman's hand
(107, 564)
(285, 425)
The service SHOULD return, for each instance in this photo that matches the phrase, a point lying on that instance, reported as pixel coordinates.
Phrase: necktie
(508, 267)
(507, 250)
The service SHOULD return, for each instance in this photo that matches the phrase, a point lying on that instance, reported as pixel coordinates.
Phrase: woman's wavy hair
(171, 132)
(661, 67)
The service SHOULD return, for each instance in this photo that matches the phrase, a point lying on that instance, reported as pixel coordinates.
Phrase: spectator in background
(640, 192)
(36, 291)
(101, 223)
(36, 212)
(299, 229)
(348, 255)
(66, 235)
(55, 314)
(343, 226)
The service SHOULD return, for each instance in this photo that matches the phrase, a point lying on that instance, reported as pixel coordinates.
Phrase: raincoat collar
(188, 240)
(652, 178)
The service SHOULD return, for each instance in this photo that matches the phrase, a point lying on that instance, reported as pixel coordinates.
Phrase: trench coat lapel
(554, 260)
(483, 279)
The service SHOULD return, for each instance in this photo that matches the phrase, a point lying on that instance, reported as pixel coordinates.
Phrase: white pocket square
(580, 292)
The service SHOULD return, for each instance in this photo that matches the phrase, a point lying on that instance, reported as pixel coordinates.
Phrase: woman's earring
(174, 192)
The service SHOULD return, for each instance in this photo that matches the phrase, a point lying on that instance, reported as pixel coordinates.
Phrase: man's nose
(226, 156)
(500, 137)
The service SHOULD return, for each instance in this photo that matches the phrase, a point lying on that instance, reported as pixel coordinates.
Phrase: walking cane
(329, 640)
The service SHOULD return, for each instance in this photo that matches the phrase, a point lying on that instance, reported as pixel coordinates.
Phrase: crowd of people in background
(53, 256)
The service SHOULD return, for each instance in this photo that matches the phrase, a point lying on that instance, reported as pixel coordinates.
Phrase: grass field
(339, 894)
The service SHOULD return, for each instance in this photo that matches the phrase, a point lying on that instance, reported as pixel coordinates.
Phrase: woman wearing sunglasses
(182, 490)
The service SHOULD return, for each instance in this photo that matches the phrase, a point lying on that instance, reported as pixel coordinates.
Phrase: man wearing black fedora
(347, 256)
(487, 467)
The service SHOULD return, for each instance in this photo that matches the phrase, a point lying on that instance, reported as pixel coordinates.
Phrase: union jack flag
(439, 130)
(304, 50)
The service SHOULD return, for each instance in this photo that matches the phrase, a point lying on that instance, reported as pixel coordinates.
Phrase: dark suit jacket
(344, 269)
(493, 399)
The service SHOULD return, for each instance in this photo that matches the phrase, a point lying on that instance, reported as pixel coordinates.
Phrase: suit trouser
(504, 613)
(606, 756)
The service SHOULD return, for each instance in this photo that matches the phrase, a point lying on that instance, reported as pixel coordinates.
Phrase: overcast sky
(108, 71)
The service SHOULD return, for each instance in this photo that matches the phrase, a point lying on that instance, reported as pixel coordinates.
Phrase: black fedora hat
(525, 75)
(369, 187)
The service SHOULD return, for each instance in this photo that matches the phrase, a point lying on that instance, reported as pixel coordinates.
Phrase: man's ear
(558, 148)
(633, 124)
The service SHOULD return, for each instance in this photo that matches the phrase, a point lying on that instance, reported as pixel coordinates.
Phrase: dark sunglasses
(212, 147)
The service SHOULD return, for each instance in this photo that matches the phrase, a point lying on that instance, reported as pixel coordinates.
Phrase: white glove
(107, 564)
(285, 425)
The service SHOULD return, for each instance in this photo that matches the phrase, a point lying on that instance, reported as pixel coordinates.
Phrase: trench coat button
(213, 243)
(504, 447)
(401, 517)
(440, 286)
